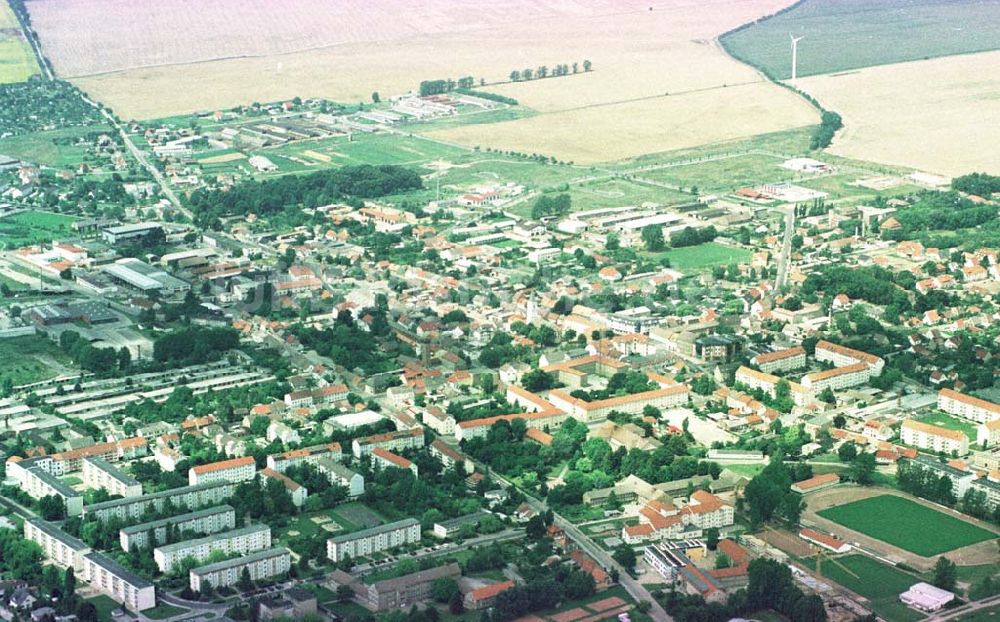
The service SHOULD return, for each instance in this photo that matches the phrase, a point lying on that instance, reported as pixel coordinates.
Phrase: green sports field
(694, 258)
(907, 525)
(879, 583)
(851, 34)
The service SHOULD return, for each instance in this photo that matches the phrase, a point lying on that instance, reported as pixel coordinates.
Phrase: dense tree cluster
(350, 346)
(923, 482)
(823, 135)
(294, 192)
(494, 97)
(438, 87)
(195, 344)
(979, 184)
(101, 361)
(39, 104)
(690, 236)
(939, 211)
(769, 495)
(547, 205)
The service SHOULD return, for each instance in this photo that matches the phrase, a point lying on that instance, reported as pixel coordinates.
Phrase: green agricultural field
(33, 227)
(992, 614)
(53, 148)
(621, 193)
(945, 420)
(366, 149)
(696, 258)
(912, 527)
(471, 118)
(879, 583)
(30, 359)
(851, 34)
(725, 175)
(17, 63)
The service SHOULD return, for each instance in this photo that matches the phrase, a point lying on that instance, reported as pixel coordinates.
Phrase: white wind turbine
(795, 53)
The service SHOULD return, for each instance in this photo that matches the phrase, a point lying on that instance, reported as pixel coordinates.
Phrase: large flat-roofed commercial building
(243, 541)
(122, 233)
(373, 540)
(144, 278)
(189, 497)
(205, 521)
(101, 474)
(261, 565)
(967, 406)
(926, 597)
(934, 438)
(235, 470)
(107, 576)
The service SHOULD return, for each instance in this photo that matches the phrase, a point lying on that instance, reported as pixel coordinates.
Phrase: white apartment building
(837, 378)
(386, 459)
(934, 438)
(58, 546)
(205, 521)
(297, 491)
(101, 474)
(782, 360)
(393, 441)
(234, 470)
(476, 428)
(373, 540)
(190, 497)
(340, 475)
(243, 541)
(988, 434)
(261, 565)
(439, 421)
(108, 577)
(449, 456)
(757, 380)
(591, 412)
(310, 455)
(35, 479)
(842, 357)
(967, 406)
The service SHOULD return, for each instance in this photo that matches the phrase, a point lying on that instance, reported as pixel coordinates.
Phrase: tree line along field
(17, 63)
(851, 34)
(906, 524)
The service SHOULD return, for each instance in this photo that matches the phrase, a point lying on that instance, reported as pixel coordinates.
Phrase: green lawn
(104, 607)
(907, 524)
(621, 193)
(17, 63)
(945, 420)
(33, 227)
(877, 582)
(850, 34)
(42, 147)
(695, 258)
(163, 612)
(984, 615)
(725, 175)
(368, 149)
(19, 359)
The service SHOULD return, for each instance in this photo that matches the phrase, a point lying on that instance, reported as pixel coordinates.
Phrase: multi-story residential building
(234, 470)
(439, 421)
(393, 441)
(386, 459)
(842, 357)
(189, 497)
(598, 410)
(101, 474)
(243, 541)
(58, 546)
(117, 451)
(757, 379)
(988, 434)
(261, 565)
(107, 576)
(449, 456)
(526, 399)
(329, 394)
(205, 521)
(781, 360)
(837, 378)
(297, 491)
(280, 462)
(659, 520)
(476, 428)
(934, 438)
(989, 486)
(34, 478)
(967, 406)
(340, 475)
(961, 478)
(407, 590)
(373, 540)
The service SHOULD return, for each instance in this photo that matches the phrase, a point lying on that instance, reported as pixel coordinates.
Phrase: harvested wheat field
(940, 115)
(640, 50)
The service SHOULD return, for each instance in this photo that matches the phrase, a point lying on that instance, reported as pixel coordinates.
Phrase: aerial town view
(499, 311)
